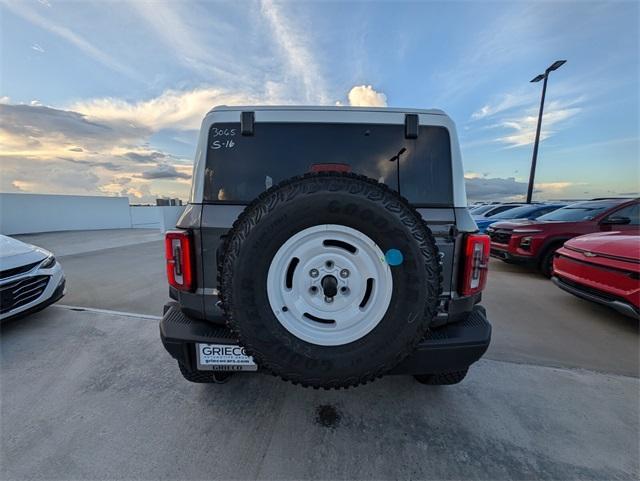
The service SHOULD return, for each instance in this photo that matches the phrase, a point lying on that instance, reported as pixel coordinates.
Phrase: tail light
(178, 253)
(476, 263)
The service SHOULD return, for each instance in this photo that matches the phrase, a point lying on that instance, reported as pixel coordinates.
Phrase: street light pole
(534, 159)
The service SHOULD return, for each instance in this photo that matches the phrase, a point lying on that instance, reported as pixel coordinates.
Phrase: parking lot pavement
(90, 395)
(121, 269)
(130, 278)
(77, 242)
(536, 322)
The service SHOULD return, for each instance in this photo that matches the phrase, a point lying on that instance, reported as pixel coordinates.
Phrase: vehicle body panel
(524, 213)
(460, 330)
(607, 266)
(527, 241)
(26, 283)
(356, 115)
(211, 220)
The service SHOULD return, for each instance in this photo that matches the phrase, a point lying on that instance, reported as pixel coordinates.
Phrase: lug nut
(344, 273)
(314, 273)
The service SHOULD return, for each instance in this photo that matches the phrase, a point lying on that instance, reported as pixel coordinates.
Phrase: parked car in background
(30, 278)
(602, 267)
(524, 212)
(491, 210)
(535, 242)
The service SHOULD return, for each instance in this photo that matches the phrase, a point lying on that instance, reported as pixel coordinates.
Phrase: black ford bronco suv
(328, 246)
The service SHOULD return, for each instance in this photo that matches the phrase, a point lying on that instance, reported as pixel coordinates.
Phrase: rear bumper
(453, 347)
(590, 294)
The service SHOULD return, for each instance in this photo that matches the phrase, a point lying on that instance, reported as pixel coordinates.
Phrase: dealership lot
(89, 394)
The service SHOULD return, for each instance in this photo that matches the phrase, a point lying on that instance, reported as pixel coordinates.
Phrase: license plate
(223, 357)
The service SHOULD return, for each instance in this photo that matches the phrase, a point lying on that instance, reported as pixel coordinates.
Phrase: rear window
(239, 168)
(579, 211)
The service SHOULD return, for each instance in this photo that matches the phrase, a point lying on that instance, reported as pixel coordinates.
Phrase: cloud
(146, 157)
(484, 188)
(37, 48)
(45, 131)
(23, 10)
(523, 128)
(176, 109)
(179, 32)
(164, 171)
(84, 156)
(298, 54)
(506, 102)
(365, 96)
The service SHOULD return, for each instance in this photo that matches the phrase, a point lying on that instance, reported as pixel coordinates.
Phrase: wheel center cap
(329, 286)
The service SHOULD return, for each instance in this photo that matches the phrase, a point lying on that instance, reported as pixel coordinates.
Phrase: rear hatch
(238, 168)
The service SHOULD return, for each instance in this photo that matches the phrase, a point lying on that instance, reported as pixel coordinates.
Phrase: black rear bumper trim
(453, 347)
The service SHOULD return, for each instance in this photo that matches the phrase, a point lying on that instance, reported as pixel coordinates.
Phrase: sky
(106, 98)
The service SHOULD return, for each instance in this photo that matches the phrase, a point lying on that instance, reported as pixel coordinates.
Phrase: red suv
(535, 242)
(602, 267)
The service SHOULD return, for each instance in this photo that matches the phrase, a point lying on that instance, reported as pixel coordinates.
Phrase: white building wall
(169, 216)
(155, 217)
(30, 213)
(145, 217)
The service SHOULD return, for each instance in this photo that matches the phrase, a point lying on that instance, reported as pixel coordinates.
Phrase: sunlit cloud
(180, 110)
(83, 156)
(365, 96)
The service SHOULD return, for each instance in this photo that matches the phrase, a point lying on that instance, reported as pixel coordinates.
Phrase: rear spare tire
(329, 280)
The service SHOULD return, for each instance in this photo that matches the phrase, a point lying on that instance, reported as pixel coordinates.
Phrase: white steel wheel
(329, 285)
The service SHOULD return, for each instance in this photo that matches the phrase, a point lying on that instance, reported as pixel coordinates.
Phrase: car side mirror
(616, 221)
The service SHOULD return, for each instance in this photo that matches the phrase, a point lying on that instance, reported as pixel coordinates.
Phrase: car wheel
(546, 263)
(329, 280)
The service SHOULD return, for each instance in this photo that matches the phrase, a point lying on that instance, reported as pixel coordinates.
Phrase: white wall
(155, 217)
(29, 213)
(169, 216)
(32, 213)
(145, 217)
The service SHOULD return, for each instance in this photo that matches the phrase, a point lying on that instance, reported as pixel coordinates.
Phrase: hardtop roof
(338, 108)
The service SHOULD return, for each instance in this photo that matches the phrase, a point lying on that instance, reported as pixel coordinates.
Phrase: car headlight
(525, 242)
(48, 262)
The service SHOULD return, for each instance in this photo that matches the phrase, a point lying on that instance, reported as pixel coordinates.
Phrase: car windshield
(239, 168)
(516, 213)
(482, 209)
(577, 212)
